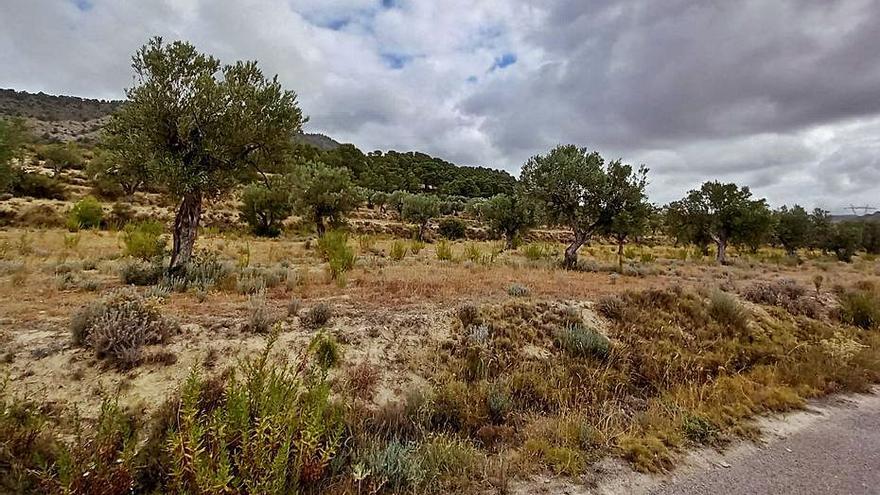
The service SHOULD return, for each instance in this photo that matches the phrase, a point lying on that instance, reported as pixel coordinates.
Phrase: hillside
(71, 118)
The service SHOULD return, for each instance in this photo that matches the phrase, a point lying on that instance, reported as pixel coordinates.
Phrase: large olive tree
(720, 212)
(578, 189)
(321, 193)
(509, 216)
(199, 127)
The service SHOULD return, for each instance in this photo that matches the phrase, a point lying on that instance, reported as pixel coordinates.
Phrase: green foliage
(13, 136)
(276, 431)
(420, 209)
(845, 239)
(452, 228)
(264, 208)
(871, 237)
(36, 185)
(334, 249)
(416, 247)
(61, 156)
(321, 193)
(794, 228)
(578, 189)
(325, 350)
(141, 272)
(860, 308)
(27, 446)
(509, 216)
(398, 250)
(144, 240)
(86, 213)
(113, 174)
(538, 251)
(578, 340)
(727, 311)
(198, 127)
(444, 250)
(722, 213)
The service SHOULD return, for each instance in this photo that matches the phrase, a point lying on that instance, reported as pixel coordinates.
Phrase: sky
(779, 95)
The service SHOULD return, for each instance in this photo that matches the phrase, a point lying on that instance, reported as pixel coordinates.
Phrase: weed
(362, 379)
(294, 306)
(416, 247)
(85, 214)
(468, 315)
(860, 308)
(143, 240)
(398, 251)
(260, 319)
(472, 252)
(538, 251)
(517, 290)
(334, 249)
(444, 250)
(727, 311)
(326, 350)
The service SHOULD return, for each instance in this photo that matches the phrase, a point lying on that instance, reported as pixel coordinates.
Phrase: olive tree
(793, 228)
(724, 213)
(264, 207)
(420, 209)
(199, 127)
(509, 216)
(13, 135)
(632, 221)
(578, 189)
(321, 193)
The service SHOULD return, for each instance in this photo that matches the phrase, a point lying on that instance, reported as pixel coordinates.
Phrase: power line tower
(864, 209)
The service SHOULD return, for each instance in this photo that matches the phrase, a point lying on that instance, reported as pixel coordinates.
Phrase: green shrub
(727, 311)
(334, 249)
(444, 250)
(276, 430)
(537, 251)
(85, 214)
(325, 350)
(860, 308)
(452, 228)
(142, 273)
(395, 465)
(472, 252)
(36, 185)
(416, 246)
(398, 251)
(578, 340)
(117, 327)
(144, 240)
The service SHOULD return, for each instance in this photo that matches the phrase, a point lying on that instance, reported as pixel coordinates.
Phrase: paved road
(838, 453)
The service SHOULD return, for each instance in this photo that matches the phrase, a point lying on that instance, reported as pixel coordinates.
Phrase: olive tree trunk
(721, 244)
(571, 256)
(186, 229)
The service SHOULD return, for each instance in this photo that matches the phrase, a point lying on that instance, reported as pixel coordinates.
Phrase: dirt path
(833, 447)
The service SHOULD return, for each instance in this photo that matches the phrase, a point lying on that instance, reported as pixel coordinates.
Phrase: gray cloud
(783, 95)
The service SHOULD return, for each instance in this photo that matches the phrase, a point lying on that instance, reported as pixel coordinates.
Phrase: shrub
(276, 424)
(144, 240)
(537, 251)
(294, 307)
(416, 246)
(85, 214)
(36, 185)
(118, 326)
(611, 307)
(334, 249)
(325, 350)
(362, 379)
(860, 308)
(317, 316)
(396, 465)
(578, 340)
(468, 315)
(472, 252)
(785, 294)
(398, 251)
(260, 318)
(141, 273)
(725, 310)
(121, 214)
(444, 250)
(452, 228)
(517, 290)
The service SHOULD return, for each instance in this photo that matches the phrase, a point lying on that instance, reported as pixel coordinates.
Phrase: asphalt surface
(836, 454)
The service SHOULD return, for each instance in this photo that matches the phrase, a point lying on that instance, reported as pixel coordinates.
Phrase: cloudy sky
(781, 95)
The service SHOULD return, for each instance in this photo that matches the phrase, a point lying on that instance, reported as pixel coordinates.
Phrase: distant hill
(873, 217)
(70, 118)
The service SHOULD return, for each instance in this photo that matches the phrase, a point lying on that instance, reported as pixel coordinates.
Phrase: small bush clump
(398, 251)
(85, 214)
(141, 273)
(260, 319)
(578, 340)
(144, 240)
(786, 294)
(334, 249)
(119, 325)
(452, 228)
(444, 250)
(860, 308)
(317, 316)
(727, 311)
(325, 350)
(518, 290)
